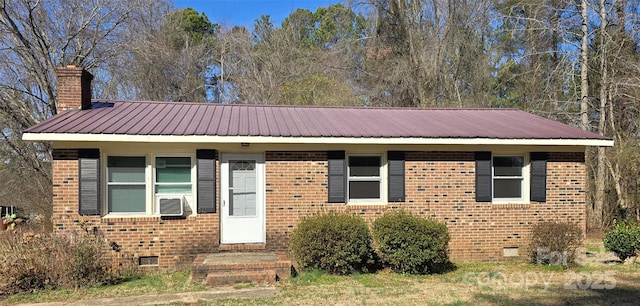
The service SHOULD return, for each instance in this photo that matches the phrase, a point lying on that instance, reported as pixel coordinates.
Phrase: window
(508, 178)
(242, 188)
(173, 175)
(511, 177)
(364, 178)
(131, 189)
(126, 184)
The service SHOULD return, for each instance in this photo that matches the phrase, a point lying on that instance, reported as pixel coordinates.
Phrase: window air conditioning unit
(171, 205)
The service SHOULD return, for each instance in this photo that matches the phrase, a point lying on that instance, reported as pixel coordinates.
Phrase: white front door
(242, 199)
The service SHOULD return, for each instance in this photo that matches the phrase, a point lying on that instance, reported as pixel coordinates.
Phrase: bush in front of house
(410, 244)
(338, 243)
(623, 240)
(37, 260)
(555, 243)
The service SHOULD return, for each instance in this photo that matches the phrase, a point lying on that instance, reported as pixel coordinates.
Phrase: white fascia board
(311, 140)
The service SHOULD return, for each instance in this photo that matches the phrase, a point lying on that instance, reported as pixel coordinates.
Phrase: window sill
(131, 216)
(514, 201)
(510, 205)
(366, 203)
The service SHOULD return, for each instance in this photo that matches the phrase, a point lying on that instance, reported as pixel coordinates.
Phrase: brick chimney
(74, 88)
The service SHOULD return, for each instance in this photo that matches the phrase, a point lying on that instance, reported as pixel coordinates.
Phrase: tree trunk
(599, 201)
(584, 100)
(584, 77)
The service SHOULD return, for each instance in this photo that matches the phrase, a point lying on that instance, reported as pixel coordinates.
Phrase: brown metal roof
(171, 118)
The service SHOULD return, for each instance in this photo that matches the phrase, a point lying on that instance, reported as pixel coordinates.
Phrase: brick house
(167, 181)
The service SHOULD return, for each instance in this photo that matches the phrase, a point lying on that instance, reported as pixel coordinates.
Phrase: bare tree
(314, 58)
(173, 62)
(429, 53)
(584, 97)
(600, 179)
(584, 66)
(35, 37)
(539, 42)
(618, 79)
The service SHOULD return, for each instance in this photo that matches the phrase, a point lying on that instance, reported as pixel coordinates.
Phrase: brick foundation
(438, 184)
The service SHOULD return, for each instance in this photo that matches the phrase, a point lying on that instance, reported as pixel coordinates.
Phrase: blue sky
(244, 12)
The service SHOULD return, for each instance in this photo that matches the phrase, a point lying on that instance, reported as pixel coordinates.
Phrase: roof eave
(53, 137)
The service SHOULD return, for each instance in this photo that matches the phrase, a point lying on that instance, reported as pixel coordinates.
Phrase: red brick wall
(442, 185)
(296, 186)
(438, 184)
(65, 184)
(175, 241)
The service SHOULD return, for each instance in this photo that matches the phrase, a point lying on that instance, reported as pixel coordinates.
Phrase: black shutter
(483, 177)
(539, 176)
(395, 161)
(336, 178)
(206, 168)
(89, 182)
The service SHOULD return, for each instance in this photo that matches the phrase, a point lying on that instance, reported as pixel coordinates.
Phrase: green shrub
(338, 243)
(555, 243)
(33, 261)
(623, 240)
(410, 244)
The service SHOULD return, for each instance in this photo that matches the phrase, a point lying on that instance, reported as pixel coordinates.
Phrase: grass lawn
(158, 283)
(470, 284)
(598, 281)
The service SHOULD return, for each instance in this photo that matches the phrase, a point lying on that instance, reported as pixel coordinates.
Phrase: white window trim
(382, 179)
(154, 177)
(105, 162)
(526, 175)
(150, 181)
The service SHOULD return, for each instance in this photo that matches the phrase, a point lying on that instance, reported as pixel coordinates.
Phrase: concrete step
(229, 278)
(243, 247)
(229, 268)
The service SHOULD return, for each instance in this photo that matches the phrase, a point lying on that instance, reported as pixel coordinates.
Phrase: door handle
(224, 203)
